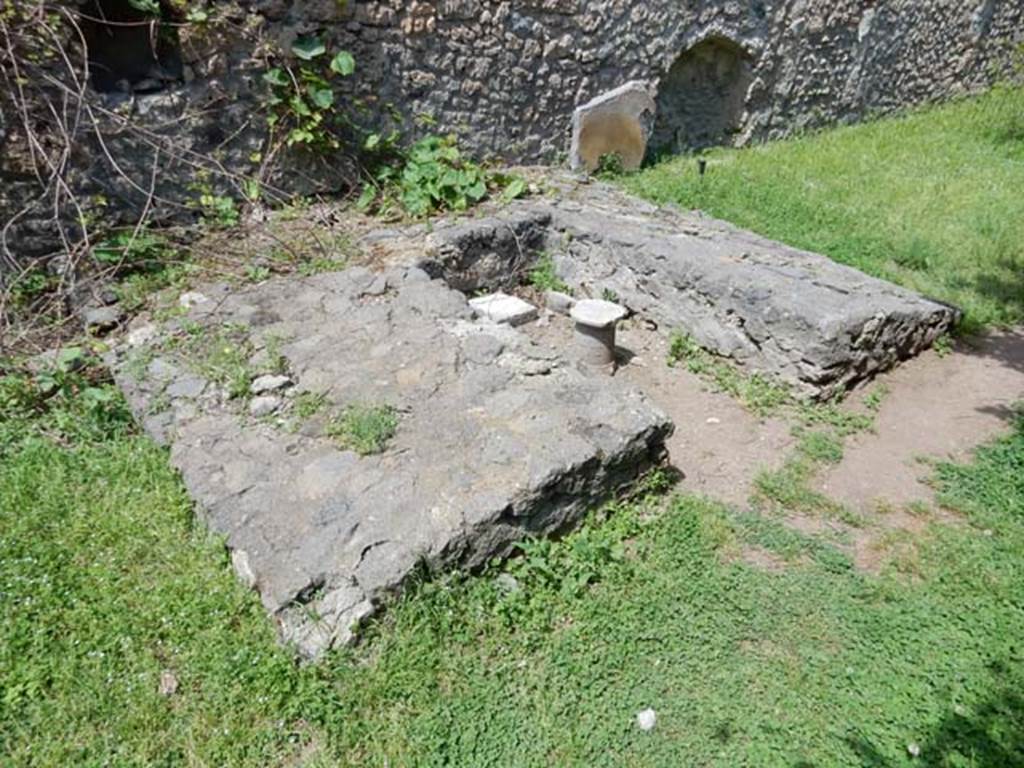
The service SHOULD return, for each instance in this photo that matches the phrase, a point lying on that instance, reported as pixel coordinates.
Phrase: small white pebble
(714, 420)
(189, 299)
(264, 406)
(168, 683)
(646, 720)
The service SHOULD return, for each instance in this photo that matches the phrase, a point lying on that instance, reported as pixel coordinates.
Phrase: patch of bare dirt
(718, 446)
(762, 559)
(936, 408)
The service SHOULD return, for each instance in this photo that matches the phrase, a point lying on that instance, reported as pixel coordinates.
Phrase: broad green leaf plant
(303, 99)
(433, 175)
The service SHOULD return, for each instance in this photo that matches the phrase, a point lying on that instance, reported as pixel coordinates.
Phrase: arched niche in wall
(701, 99)
(128, 49)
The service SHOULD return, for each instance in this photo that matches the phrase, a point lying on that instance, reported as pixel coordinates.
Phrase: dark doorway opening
(128, 49)
(701, 99)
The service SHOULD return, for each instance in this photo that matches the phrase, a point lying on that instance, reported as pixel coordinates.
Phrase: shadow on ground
(1005, 347)
(989, 735)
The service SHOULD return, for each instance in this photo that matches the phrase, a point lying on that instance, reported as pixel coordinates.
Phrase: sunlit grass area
(126, 640)
(110, 590)
(933, 200)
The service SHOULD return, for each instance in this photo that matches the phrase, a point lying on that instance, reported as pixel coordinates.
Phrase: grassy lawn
(110, 589)
(107, 584)
(932, 201)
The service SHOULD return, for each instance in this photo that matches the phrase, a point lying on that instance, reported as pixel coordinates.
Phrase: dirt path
(718, 446)
(936, 407)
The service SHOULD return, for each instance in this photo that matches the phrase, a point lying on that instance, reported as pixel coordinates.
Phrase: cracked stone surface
(498, 438)
(792, 314)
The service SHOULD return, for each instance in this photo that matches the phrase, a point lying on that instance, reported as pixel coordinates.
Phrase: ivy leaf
(322, 97)
(308, 47)
(516, 188)
(343, 63)
(69, 358)
(477, 191)
(151, 7)
(275, 76)
(372, 142)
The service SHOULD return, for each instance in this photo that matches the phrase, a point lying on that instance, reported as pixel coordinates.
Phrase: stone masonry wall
(507, 75)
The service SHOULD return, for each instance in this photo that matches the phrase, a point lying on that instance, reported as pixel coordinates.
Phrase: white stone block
(502, 308)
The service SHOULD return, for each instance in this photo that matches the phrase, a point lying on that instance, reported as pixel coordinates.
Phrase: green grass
(931, 200)
(754, 391)
(365, 429)
(106, 582)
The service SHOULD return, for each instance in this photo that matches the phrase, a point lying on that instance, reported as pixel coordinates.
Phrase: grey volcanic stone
(792, 314)
(559, 302)
(796, 315)
(491, 253)
(269, 383)
(618, 122)
(497, 439)
(264, 405)
(102, 319)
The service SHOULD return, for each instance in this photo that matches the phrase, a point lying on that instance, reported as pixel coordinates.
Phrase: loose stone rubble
(794, 315)
(498, 437)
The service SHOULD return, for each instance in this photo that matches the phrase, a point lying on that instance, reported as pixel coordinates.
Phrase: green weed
(305, 101)
(221, 356)
(257, 273)
(873, 400)
(320, 265)
(430, 176)
(544, 277)
(822, 447)
(758, 393)
(305, 406)
(944, 345)
(33, 284)
(365, 429)
(831, 414)
(69, 400)
(609, 166)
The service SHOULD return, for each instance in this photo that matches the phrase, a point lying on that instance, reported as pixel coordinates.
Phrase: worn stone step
(791, 314)
(496, 438)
